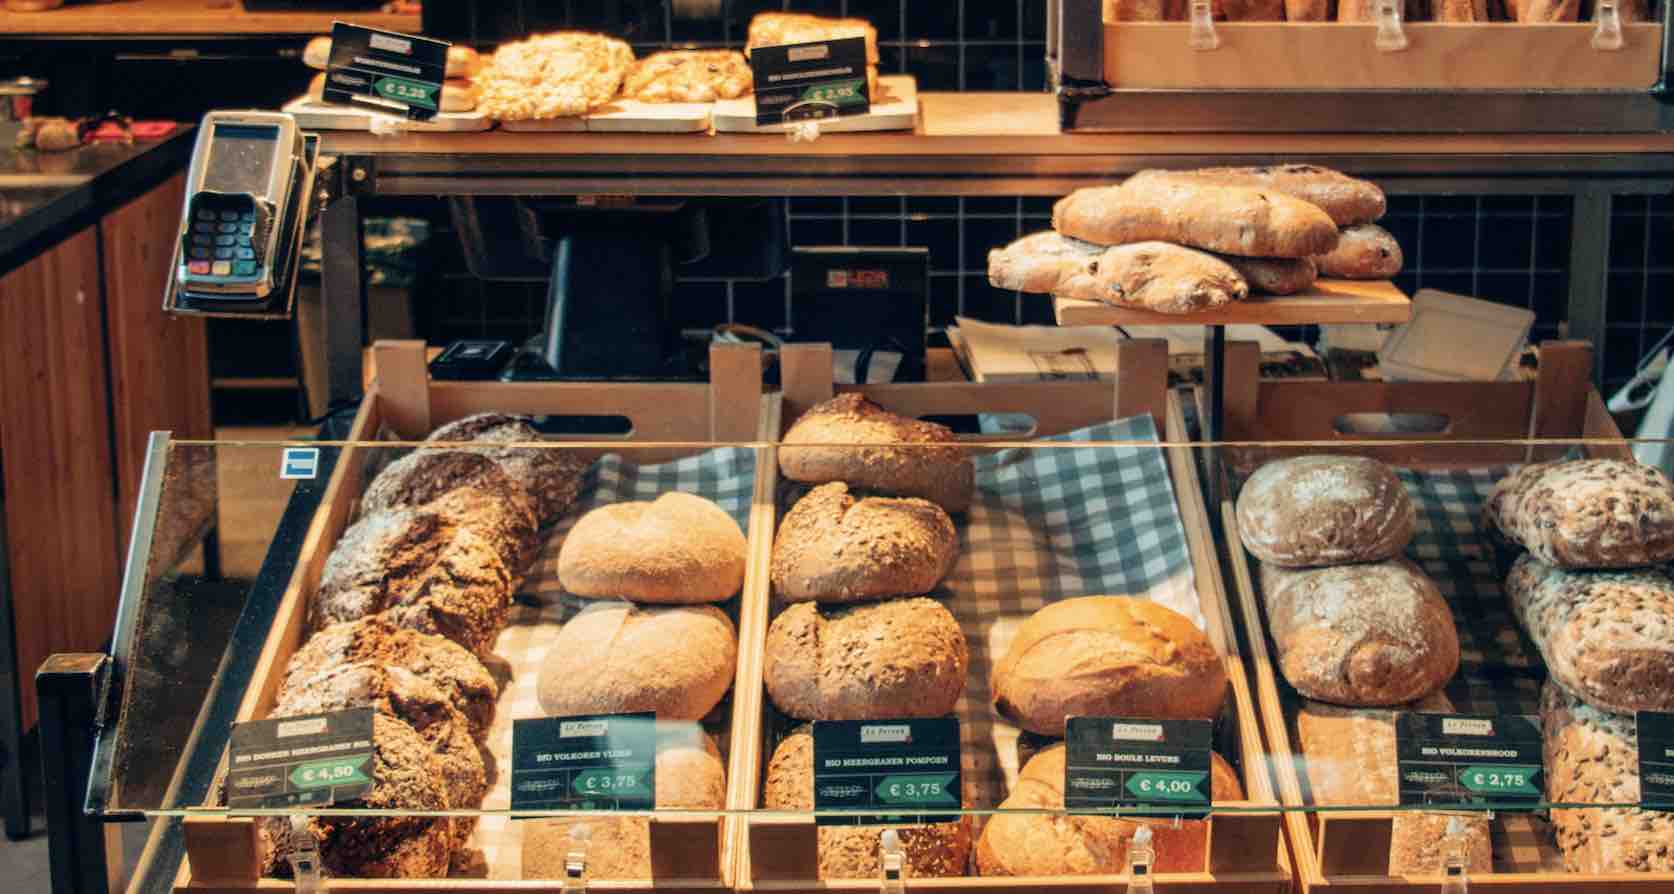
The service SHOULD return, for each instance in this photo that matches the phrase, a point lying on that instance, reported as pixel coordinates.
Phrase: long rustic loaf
(552, 475)
(1364, 251)
(471, 489)
(1607, 636)
(832, 547)
(899, 456)
(1039, 261)
(1348, 200)
(1156, 276)
(1592, 757)
(1324, 510)
(1165, 207)
(866, 661)
(678, 548)
(1274, 276)
(1587, 513)
(619, 658)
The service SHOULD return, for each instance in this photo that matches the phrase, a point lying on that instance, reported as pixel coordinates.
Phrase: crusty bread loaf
(444, 664)
(1310, 11)
(1350, 761)
(930, 851)
(555, 75)
(1605, 635)
(833, 547)
(1364, 251)
(469, 488)
(422, 571)
(1592, 757)
(1274, 276)
(931, 465)
(1324, 510)
(463, 61)
(1347, 200)
(678, 548)
(406, 776)
(1107, 656)
(619, 658)
(688, 76)
(551, 475)
(1156, 276)
(1377, 633)
(1041, 844)
(1587, 513)
(1166, 207)
(1039, 261)
(770, 29)
(690, 776)
(868, 661)
(1249, 10)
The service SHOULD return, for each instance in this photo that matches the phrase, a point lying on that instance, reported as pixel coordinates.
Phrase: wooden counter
(141, 18)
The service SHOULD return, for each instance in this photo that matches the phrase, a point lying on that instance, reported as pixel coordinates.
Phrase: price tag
(803, 81)
(602, 762)
(1135, 762)
(1468, 759)
(910, 767)
(387, 70)
(316, 759)
(1655, 732)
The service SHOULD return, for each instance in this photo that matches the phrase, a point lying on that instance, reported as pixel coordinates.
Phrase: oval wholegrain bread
(935, 850)
(552, 475)
(1364, 635)
(833, 547)
(471, 489)
(1107, 656)
(1324, 510)
(620, 658)
(870, 661)
(937, 469)
(1043, 844)
(678, 548)
(1587, 513)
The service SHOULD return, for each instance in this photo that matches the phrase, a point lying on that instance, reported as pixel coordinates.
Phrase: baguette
(1039, 262)
(463, 62)
(1592, 757)
(1156, 276)
(1275, 276)
(1166, 207)
(1348, 200)
(456, 96)
(1364, 251)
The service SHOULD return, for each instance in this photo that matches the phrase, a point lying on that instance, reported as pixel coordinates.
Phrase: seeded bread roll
(406, 776)
(1274, 276)
(1157, 276)
(1040, 261)
(1364, 251)
(1347, 200)
(832, 547)
(405, 696)
(551, 475)
(933, 467)
(620, 658)
(1372, 634)
(1350, 761)
(1038, 844)
(470, 488)
(934, 850)
(678, 548)
(422, 571)
(1587, 513)
(1324, 510)
(1605, 635)
(1165, 206)
(690, 776)
(1592, 757)
(1106, 656)
(445, 665)
(869, 661)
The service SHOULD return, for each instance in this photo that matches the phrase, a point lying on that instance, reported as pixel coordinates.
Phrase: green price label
(413, 93)
(618, 783)
(1500, 779)
(918, 788)
(1167, 786)
(839, 93)
(327, 773)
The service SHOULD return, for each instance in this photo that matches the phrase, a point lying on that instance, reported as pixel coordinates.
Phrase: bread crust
(1106, 656)
(1038, 262)
(679, 549)
(1593, 757)
(620, 658)
(552, 475)
(1587, 513)
(1324, 510)
(866, 661)
(1364, 251)
(935, 468)
(688, 76)
(1187, 209)
(1347, 200)
(470, 489)
(557, 75)
(835, 547)
(1156, 276)
(444, 664)
(1275, 276)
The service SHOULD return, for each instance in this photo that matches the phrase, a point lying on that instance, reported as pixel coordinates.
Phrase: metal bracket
(891, 859)
(305, 857)
(1607, 32)
(1391, 37)
(1140, 859)
(1203, 36)
(575, 860)
(1454, 865)
(83, 853)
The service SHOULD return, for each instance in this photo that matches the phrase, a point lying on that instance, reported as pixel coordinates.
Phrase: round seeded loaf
(1360, 635)
(678, 548)
(1031, 844)
(1324, 510)
(620, 658)
(941, 474)
(469, 488)
(833, 547)
(423, 571)
(1587, 513)
(870, 661)
(1108, 656)
(931, 851)
(551, 475)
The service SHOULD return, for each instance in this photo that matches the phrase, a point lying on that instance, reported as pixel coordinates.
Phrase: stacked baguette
(409, 601)
(1594, 596)
(1354, 625)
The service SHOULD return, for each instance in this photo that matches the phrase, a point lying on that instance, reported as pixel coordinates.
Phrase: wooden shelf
(1330, 301)
(131, 18)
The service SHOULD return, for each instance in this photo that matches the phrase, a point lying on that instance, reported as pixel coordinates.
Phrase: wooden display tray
(1333, 56)
(689, 853)
(1349, 851)
(625, 116)
(312, 115)
(1245, 852)
(1329, 301)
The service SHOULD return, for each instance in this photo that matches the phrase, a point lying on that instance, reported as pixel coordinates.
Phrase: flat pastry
(688, 76)
(552, 76)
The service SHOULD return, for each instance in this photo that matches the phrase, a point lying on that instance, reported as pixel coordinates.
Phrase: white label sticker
(300, 462)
